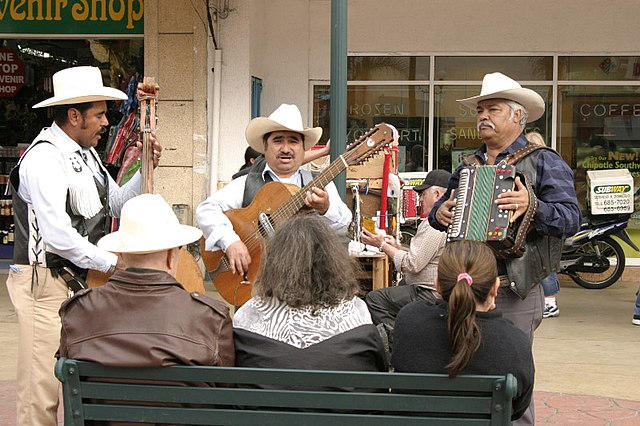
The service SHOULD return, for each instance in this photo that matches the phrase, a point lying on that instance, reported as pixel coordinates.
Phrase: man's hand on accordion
(516, 200)
(444, 214)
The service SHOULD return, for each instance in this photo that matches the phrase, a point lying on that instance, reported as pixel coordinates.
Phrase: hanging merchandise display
(121, 148)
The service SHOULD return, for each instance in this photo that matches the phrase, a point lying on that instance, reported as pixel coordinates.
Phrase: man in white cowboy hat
(283, 140)
(118, 323)
(63, 201)
(503, 110)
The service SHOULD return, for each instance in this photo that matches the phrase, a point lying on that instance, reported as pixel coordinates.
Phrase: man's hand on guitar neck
(317, 199)
(157, 149)
(239, 258)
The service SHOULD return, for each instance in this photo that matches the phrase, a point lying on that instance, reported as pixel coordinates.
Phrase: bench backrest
(95, 392)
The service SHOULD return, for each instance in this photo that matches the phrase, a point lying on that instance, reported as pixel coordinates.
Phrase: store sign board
(87, 17)
(11, 73)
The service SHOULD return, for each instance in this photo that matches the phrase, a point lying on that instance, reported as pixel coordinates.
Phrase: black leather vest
(542, 254)
(93, 228)
(255, 180)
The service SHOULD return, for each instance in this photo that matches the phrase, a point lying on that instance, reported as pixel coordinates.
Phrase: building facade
(220, 62)
(410, 60)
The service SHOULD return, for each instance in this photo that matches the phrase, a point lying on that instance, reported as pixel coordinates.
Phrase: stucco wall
(176, 54)
(493, 26)
(286, 43)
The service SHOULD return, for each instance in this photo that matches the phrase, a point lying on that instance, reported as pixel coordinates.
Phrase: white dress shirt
(44, 185)
(217, 228)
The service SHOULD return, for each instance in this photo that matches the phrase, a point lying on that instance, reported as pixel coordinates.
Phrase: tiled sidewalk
(8, 404)
(551, 409)
(563, 409)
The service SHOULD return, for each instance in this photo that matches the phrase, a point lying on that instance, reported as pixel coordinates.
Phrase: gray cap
(434, 178)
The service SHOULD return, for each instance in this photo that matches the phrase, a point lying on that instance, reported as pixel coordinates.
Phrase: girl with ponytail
(464, 333)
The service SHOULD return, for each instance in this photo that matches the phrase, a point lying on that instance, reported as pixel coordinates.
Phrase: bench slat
(275, 377)
(204, 416)
(286, 398)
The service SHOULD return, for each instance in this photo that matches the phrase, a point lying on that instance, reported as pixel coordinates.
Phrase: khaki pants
(39, 339)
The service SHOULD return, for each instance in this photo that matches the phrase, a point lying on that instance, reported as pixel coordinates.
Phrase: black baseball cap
(434, 178)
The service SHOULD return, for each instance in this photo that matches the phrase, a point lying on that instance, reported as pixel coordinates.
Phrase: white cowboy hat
(78, 85)
(285, 118)
(499, 86)
(148, 224)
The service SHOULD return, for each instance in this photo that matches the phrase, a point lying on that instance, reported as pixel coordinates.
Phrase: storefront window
(598, 108)
(405, 107)
(387, 68)
(599, 68)
(599, 127)
(455, 132)
(26, 78)
(470, 68)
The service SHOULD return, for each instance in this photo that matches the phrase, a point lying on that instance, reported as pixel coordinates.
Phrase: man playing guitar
(283, 140)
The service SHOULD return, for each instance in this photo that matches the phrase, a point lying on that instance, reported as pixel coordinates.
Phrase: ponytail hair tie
(466, 277)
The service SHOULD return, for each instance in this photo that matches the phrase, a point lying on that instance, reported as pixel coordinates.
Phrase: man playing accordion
(504, 108)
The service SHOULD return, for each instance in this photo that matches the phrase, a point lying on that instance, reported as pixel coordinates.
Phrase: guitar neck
(147, 97)
(366, 146)
(296, 202)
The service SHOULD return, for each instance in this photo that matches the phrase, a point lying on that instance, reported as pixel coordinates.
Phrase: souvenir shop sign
(11, 73)
(86, 17)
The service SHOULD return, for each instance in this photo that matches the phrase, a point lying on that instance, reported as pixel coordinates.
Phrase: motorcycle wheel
(610, 248)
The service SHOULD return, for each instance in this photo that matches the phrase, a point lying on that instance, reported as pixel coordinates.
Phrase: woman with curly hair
(305, 311)
(463, 334)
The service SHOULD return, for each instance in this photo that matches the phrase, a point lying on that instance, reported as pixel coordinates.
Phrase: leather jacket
(144, 318)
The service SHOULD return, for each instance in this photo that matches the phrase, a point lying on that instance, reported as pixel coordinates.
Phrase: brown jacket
(146, 319)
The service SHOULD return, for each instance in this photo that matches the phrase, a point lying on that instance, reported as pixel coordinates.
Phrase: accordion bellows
(476, 216)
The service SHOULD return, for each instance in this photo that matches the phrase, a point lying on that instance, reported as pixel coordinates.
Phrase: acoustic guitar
(273, 205)
(188, 272)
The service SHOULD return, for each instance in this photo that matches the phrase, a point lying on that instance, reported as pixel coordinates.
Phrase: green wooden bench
(425, 399)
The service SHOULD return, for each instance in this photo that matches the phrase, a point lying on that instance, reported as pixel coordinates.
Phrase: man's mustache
(485, 123)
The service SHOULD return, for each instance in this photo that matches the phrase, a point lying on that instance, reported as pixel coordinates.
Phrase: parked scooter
(591, 257)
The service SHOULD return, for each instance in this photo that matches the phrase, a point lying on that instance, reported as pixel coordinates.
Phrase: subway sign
(86, 17)
(611, 189)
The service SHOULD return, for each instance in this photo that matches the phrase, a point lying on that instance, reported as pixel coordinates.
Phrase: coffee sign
(11, 73)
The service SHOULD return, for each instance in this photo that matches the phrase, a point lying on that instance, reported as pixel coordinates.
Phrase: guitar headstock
(369, 144)
(148, 89)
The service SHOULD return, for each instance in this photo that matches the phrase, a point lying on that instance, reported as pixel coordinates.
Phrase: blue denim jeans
(636, 311)
(550, 285)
